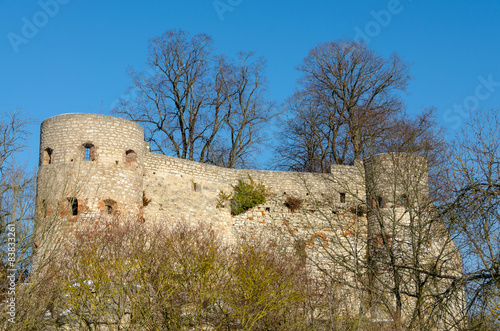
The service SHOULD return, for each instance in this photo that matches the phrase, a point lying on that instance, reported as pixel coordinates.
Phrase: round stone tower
(397, 196)
(90, 165)
(396, 187)
(395, 179)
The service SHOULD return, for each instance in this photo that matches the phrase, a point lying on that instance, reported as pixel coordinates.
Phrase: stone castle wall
(97, 165)
(187, 190)
(161, 188)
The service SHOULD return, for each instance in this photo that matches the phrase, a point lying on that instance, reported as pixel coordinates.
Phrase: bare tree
(414, 265)
(172, 99)
(302, 146)
(17, 191)
(246, 110)
(17, 201)
(198, 106)
(353, 94)
(472, 213)
(379, 237)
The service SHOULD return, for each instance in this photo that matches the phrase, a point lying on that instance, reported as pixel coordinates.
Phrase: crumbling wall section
(178, 190)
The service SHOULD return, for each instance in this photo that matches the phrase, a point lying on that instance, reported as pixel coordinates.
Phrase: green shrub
(244, 196)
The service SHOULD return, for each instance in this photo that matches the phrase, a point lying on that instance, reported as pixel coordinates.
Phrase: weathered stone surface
(96, 164)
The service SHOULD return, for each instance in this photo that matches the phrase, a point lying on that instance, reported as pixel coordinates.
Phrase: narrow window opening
(45, 208)
(380, 202)
(130, 157)
(403, 200)
(89, 152)
(73, 206)
(196, 187)
(342, 197)
(47, 156)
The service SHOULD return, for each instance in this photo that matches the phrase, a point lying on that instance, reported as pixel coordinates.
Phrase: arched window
(89, 152)
(130, 157)
(47, 156)
(72, 206)
(109, 206)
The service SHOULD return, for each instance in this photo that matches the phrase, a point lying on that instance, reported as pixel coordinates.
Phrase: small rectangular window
(130, 157)
(403, 201)
(196, 187)
(87, 153)
(45, 208)
(109, 206)
(342, 197)
(380, 202)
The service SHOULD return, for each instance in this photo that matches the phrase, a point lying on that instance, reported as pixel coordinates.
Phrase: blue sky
(75, 56)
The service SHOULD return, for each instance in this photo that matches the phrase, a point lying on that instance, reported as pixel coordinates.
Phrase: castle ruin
(93, 165)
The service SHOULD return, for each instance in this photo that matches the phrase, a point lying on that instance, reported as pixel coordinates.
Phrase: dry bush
(126, 275)
(266, 289)
(293, 203)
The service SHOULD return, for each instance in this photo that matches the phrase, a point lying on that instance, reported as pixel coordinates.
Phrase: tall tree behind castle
(197, 105)
(17, 193)
(348, 100)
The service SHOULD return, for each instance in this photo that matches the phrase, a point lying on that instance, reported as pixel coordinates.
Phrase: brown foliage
(293, 203)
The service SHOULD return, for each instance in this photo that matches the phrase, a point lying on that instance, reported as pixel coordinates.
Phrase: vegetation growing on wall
(244, 196)
(358, 209)
(293, 203)
(145, 199)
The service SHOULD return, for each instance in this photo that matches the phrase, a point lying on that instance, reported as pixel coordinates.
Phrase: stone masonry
(93, 165)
